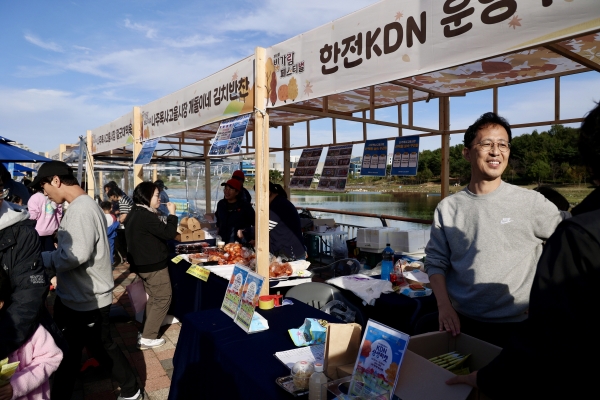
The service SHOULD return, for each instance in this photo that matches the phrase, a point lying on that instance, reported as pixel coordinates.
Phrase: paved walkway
(153, 367)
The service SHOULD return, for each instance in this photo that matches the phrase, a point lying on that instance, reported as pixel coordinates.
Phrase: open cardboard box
(329, 222)
(421, 379)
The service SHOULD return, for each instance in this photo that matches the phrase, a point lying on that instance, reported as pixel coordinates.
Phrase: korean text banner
(113, 135)
(405, 160)
(229, 137)
(306, 168)
(395, 39)
(226, 94)
(374, 160)
(335, 171)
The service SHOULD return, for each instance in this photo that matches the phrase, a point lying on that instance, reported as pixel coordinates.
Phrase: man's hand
(448, 319)
(171, 207)
(470, 379)
(6, 392)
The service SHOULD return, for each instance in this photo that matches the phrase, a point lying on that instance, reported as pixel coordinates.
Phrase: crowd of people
(507, 265)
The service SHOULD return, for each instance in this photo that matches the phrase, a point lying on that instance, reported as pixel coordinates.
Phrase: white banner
(226, 94)
(395, 39)
(113, 135)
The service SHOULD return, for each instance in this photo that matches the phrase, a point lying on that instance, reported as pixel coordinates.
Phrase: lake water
(411, 205)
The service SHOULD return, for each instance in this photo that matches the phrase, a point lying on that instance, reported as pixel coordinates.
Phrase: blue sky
(69, 66)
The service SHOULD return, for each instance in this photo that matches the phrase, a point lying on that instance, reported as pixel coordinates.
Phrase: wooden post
(101, 183)
(495, 101)
(364, 115)
(399, 119)
(334, 130)
(61, 149)
(372, 103)
(557, 98)
(285, 140)
(138, 169)
(89, 166)
(444, 107)
(308, 133)
(207, 187)
(261, 141)
(126, 181)
(410, 107)
(155, 173)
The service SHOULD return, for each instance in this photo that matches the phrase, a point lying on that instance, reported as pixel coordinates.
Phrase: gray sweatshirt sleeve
(437, 251)
(547, 217)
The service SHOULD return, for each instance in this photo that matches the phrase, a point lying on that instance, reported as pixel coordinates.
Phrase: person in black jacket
(554, 354)
(233, 213)
(21, 260)
(147, 233)
(245, 194)
(285, 209)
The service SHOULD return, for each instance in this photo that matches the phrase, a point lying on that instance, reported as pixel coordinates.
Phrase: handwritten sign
(199, 272)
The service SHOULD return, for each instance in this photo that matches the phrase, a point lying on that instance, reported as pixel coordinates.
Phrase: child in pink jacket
(39, 357)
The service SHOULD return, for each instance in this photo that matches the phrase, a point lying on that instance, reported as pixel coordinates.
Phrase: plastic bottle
(316, 389)
(387, 262)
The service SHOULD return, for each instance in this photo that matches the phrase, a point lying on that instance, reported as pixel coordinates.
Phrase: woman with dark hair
(147, 233)
(285, 210)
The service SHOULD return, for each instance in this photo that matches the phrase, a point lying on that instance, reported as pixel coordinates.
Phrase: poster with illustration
(249, 300)
(405, 160)
(378, 364)
(147, 151)
(374, 158)
(235, 288)
(229, 136)
(335, 171)
(305, 170)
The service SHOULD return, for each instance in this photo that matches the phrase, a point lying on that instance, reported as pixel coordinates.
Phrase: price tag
(199, 272)
(177, 259)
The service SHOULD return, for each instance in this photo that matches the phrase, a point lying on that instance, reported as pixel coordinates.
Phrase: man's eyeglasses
(4, 193)
(487, 145)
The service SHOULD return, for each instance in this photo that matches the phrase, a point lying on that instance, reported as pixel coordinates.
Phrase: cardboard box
(421, 379)
(198, 235)
(185, 237)
(193, 224)
(184, 230)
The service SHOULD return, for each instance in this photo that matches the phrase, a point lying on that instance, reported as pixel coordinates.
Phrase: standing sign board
(405, 160)
(113, 135)
(145, 155)
(226, 94)
(396, 39)
(229, 137)
(305, 170)
(374, 161)
(335, 171)
(249, 300)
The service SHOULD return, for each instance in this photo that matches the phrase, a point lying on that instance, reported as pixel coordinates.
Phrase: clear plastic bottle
(387, 262)
(316, 389)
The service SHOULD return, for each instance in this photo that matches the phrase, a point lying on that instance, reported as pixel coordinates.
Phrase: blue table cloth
(216, 359)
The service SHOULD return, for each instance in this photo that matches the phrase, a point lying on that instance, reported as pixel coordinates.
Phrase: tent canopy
(9, 153)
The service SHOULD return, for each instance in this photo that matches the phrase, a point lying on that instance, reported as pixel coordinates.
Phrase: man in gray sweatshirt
(486, 241)
(84, 283)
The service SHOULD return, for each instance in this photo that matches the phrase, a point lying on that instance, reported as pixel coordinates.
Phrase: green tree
(275, 176)
(539, 169)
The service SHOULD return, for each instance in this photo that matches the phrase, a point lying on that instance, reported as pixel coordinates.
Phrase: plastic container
(317, 390)
(301, 372)
(387, 262)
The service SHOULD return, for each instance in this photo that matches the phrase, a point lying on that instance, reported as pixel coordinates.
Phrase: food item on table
(452, 361)
(301, 372)
(278, 270)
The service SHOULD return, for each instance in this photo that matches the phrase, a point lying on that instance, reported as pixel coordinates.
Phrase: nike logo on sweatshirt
(505, 221)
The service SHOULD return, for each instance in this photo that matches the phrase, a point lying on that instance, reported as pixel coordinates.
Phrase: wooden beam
(557, 98)
(416, 87)
(355, 119)
(526, 125)
(207, 187)
(372, 103)
(364, 125)
(261, 141)
(285, 140)
(400, 119)
(308, 132)
(303, 107)
(333, 129)
(326, 104)
(558, 49)
(410, 106)
(444, 113)
(89, 166)
(138, 169)
(495, 100)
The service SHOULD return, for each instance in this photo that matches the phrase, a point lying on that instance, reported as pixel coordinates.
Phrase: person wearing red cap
(233, 213)
(245, 195)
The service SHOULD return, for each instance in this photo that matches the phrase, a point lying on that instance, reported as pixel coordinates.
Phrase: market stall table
(325, 242)
(216, 359)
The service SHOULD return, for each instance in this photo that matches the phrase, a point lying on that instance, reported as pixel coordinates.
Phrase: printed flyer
(335, 172)
(233, 294)
(229, 136)
(305, 170)
(378, 364)
(374, 160)
(406, 156)
(145, 155)
(250, 294)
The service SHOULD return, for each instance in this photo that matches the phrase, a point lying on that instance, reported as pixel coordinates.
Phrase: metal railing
(382, 217)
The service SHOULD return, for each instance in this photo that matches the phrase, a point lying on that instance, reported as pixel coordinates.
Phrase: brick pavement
(153, 367)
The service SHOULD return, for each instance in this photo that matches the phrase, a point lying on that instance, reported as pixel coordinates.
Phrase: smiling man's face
(487, 165)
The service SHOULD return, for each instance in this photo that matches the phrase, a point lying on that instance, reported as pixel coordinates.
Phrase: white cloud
(44, 45)
(149, 32)
(277, 18)
(192, 41)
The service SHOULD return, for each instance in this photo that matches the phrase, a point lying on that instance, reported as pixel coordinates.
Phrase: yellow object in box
(7, 370)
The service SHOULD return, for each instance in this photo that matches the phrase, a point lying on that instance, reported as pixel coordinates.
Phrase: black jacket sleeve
(30, 288)
(161, 230)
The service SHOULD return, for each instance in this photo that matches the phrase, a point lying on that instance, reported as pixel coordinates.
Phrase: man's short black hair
(67, 180)
(487, 119)
(589, 142)
(106, 205)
